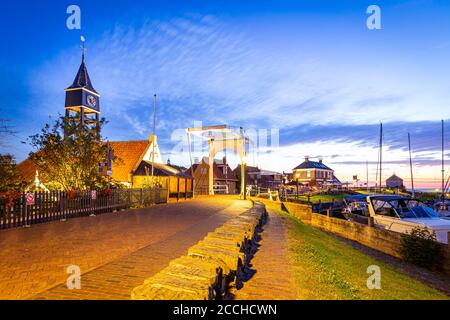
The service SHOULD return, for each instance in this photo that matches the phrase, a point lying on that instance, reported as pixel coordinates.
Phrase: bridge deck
(115, 251)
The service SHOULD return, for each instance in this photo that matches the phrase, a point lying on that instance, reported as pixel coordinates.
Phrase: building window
(308, 174)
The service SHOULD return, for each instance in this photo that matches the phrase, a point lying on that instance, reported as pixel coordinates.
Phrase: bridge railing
(302, 198)
(25, 209)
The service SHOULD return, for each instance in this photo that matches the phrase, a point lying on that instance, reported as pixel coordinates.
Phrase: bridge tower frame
(219, 138)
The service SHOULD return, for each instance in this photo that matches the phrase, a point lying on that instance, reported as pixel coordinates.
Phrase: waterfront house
(394, 182)
(313, 174)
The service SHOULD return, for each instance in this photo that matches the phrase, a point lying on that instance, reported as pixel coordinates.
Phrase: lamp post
(297, 176)
(244, 176)
(154, 139)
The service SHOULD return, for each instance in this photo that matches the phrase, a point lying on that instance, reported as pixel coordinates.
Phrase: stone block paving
(115, 251)
(270, 276)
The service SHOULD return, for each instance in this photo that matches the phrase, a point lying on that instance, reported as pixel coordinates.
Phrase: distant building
(314, 174)
(260, 178)
(394, 182)
(225, 181)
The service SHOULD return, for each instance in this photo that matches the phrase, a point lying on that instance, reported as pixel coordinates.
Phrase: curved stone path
(270, 276)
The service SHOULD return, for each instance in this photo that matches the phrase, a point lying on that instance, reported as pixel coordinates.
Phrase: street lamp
(297, 176)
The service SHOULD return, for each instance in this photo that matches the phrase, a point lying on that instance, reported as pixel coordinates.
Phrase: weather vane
(83, 40)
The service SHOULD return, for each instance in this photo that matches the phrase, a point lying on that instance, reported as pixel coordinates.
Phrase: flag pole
(443, 163)
(411, 165)
(381, 155)
(154, 139)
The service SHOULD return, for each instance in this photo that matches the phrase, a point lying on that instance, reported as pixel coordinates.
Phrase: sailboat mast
(410, 165)
(367, 175)
(376, 172)
(381, 153)
(443, 164)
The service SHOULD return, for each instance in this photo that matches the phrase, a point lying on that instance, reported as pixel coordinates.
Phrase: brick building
(313, 174)
(225, 180)
(260, 178)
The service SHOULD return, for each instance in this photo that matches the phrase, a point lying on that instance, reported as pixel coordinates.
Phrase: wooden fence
(39, 207)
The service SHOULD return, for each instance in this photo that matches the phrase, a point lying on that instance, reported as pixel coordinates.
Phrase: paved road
(115, 251)
(271, 277)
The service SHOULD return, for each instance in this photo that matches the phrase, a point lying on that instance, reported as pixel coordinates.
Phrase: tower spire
(82, 79)
(81, 97)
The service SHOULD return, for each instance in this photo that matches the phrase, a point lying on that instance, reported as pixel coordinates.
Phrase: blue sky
(310, 69)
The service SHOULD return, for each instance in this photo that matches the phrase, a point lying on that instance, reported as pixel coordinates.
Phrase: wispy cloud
(204, 68)
(425, 135)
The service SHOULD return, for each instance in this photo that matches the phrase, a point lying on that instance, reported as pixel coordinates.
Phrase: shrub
(421, 248)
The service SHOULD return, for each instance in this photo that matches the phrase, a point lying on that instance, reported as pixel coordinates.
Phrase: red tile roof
(27, 169)
(129, 152)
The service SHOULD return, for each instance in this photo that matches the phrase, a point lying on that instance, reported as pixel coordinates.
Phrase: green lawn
(364, 192)
(325, 268)
(384, 191)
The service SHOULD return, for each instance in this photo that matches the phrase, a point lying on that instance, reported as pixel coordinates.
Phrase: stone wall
(300, 211)
(446, 258)
(382, 240)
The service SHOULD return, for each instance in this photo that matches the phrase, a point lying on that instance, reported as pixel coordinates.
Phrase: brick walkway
(272, 278)
(114, 251)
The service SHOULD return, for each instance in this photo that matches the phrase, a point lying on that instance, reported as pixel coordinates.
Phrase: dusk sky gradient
(310, 69)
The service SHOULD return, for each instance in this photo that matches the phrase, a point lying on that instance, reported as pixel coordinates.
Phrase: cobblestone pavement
(270, 276)
(114, 251)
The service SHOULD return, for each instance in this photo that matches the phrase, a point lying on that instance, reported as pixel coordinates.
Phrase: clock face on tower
(92, 102)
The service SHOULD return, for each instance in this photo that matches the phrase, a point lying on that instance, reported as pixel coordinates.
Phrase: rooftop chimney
(320, 160)
(306, 158)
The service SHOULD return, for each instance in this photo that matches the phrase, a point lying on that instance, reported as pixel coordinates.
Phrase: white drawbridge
(220, 138)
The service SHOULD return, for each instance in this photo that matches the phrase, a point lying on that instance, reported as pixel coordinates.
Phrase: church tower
(82, 101)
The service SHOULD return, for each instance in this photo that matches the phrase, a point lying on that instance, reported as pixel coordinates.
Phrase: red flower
(105, 192)
(10, 196)
(72, 194)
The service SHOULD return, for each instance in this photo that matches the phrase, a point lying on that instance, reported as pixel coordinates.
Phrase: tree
(67, 155)
(5, 130)
(10, 178)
